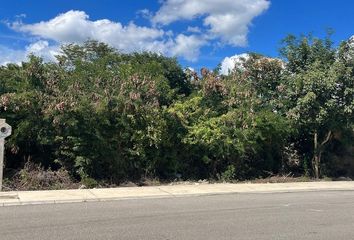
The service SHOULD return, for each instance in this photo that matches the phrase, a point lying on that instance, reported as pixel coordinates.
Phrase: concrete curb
(115, 194)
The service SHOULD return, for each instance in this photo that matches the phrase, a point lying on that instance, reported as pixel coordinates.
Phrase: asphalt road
(307, 215)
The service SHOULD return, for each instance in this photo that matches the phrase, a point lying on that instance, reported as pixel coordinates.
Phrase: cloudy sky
(198, 32)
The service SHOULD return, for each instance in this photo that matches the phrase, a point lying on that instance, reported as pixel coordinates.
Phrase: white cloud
(229, 63)
(188, 46)
(43, 49)
(225, 19)
(145, 13)
(40, 48)
(194, 29)
(76, 27)
(8, 55)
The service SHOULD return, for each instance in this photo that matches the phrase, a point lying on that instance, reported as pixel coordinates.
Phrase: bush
(35, 177)
(229, 174)
(89, 182)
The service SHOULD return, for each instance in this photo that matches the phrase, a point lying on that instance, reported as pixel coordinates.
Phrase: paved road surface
(325, 215)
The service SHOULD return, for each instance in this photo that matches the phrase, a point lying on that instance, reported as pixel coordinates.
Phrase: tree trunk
(315, 163)
(318, 149)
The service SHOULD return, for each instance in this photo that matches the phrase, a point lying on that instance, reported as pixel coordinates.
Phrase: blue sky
(199, 32)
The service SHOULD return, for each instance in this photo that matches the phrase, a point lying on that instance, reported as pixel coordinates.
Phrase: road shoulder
(167, 191)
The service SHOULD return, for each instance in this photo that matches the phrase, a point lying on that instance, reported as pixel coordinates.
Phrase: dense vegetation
(104, 115)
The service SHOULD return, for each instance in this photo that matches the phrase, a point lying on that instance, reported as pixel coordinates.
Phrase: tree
(316, 82)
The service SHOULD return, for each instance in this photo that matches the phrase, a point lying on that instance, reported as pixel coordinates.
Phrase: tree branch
(328, 137)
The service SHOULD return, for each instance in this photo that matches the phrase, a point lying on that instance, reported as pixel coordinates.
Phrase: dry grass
(35, 177)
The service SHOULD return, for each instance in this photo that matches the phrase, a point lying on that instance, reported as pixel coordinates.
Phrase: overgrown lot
(97, 115)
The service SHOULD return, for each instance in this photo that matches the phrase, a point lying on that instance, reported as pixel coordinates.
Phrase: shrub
(35, 177)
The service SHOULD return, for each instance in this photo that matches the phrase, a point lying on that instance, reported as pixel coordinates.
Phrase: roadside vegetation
(101, 116)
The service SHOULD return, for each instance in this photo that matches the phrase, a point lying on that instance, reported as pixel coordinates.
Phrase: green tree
(315, 85)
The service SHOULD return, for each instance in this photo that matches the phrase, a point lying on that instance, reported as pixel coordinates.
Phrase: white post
(5, 131)
(1, 161)
(2, 143)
